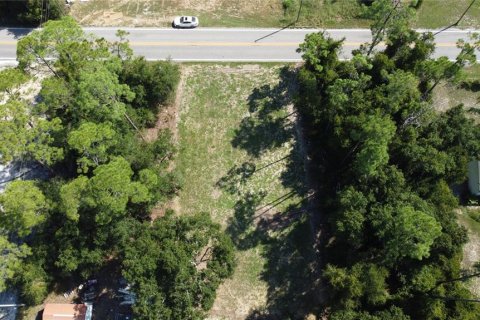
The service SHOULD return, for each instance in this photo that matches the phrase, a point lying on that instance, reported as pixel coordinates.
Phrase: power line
(459, 19)
(299, 9)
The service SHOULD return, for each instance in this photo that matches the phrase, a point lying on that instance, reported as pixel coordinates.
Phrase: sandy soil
(161, 12)
(168, 119)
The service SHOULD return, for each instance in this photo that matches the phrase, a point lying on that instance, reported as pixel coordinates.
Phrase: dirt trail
(317, 221)
(471, 250)
(168, 118)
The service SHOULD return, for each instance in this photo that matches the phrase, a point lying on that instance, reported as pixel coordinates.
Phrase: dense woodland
(386, 162)
(104, 178)
(30, 12)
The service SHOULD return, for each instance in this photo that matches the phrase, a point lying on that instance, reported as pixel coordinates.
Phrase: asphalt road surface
(211, 44)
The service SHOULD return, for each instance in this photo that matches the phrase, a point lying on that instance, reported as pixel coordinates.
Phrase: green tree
(352, 210)
(373, 138)
(22, 207)
(384, 160)
(99, 95)
(408, 232)
(71, 195)
(12, 256)
(92, 142)
(11, 79)
(27, 136)
(152, 82)
(346, 286)
(176, 265)
(33, 282)
(38, 11)
(110, 189)
(43, 47)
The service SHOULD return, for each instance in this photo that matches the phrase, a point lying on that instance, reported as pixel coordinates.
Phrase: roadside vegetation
(268, 13)
(30, 12)
(240, 154)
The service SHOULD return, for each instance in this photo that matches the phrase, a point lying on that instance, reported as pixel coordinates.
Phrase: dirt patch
(160, 13)
(447, 96)
(168, 119)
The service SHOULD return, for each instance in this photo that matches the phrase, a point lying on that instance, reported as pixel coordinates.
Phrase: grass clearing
(239, 158)
(160, 13)
(258, 13)
(447, 96)
(440, 13)
(219, 13)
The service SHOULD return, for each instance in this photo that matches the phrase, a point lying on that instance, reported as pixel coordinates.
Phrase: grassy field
(240, 160)
(259, 13)
(439, 13)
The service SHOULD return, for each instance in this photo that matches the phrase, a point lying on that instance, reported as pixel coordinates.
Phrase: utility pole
(299, 9)
(11, 305)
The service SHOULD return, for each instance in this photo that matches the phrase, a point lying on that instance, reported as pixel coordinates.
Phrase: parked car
(185, 22)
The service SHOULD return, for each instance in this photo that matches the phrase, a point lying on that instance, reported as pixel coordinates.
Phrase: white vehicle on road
(185, 22)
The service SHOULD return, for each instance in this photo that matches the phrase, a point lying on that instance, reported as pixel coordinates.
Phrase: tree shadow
(281, 225)
(290, 259)
(289, 270)
(236, 176)
(18, 32)
(265, 127)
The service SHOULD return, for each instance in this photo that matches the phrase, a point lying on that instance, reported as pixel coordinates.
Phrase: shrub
(287, 4)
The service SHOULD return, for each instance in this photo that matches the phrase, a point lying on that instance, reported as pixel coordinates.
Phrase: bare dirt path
(168, 119)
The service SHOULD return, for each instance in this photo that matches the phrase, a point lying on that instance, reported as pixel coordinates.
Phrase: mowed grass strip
(239, 159)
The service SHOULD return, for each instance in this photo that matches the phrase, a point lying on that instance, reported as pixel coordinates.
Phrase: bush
(33, 284)
(470, 85)
(287, 4)
(416, 4)
(154, 83)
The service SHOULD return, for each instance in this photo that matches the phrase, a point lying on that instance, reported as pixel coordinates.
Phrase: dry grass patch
(447, 96)
(258, 13)
(160, 13)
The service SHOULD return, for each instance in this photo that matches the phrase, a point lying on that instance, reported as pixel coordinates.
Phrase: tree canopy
(94, 209)
(385, 159)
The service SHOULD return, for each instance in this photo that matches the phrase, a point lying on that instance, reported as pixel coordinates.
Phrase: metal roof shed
(474, 177)
(58, 311)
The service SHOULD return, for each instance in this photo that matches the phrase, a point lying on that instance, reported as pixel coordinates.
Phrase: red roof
(59, 311)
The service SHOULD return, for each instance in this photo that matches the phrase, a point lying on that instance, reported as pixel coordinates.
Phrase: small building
(65, 311)
(474, 177)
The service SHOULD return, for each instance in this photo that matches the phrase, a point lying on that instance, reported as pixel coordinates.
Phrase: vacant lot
(225, 13)
(258, 13)
(239, 158)
(160, 13)
(438, 13)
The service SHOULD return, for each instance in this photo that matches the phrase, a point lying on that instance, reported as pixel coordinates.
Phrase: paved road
(208, 44)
